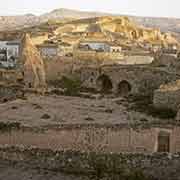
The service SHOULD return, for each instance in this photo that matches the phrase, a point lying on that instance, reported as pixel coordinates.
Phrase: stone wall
(111, 166)
(142, 79)
(90, 138)
(101, 56)
(133, 60)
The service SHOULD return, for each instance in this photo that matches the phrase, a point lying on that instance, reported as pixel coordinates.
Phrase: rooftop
(47, 45)
(101, 42)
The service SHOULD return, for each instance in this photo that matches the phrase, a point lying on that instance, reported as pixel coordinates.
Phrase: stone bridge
(125, 79)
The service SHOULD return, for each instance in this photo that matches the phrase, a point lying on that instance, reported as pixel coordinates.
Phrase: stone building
(115, 48)
(65, 49)
(48, 50)
(126, 79)
(95, 45)
(156, 47)
(102, 46)
(9, 53)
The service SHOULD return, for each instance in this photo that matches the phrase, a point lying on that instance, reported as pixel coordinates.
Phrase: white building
(116, 49)
(95, 46)
(101, 46)
(48, 50)
(9, 53)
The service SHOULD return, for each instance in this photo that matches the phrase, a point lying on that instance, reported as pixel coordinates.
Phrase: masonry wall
(142, 79)
(96, 139)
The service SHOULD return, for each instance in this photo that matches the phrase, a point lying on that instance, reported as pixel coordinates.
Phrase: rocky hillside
(60, 14)
(165, 24)
(28, 20)
(111, 28)
(18, 22)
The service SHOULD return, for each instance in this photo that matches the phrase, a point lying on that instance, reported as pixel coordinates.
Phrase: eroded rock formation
(33, 65)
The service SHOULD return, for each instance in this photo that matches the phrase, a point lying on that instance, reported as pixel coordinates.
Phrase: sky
(157, 8)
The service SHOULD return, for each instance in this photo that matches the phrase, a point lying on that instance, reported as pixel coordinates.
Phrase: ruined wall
(142, 79)
(91, 138)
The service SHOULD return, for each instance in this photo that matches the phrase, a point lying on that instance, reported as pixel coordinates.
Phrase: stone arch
(124, 88)
(163, 142)
(104, 84)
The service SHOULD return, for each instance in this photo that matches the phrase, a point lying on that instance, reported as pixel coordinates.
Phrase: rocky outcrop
(33, 65)
(108, 27)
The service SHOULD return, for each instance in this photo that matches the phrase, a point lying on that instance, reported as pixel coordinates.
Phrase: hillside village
(101, 84)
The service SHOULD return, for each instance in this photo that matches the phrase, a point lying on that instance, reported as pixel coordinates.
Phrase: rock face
(34, 71)
(133, 31)
(112, 28)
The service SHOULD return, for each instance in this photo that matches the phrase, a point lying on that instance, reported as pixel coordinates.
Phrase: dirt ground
(22, 172)
(55, 110)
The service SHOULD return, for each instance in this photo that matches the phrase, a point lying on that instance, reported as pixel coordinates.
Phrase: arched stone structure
(142, 80)
(123, 88)
(104, 83)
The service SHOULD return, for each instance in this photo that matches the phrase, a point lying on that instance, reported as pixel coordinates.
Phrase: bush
(144, 104)
(71, 86)
(137, 175)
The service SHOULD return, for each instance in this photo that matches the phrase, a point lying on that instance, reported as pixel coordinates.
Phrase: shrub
(144, 104)
(71, 86)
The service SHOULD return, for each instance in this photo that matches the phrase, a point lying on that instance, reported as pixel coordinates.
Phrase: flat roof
(48, 45)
